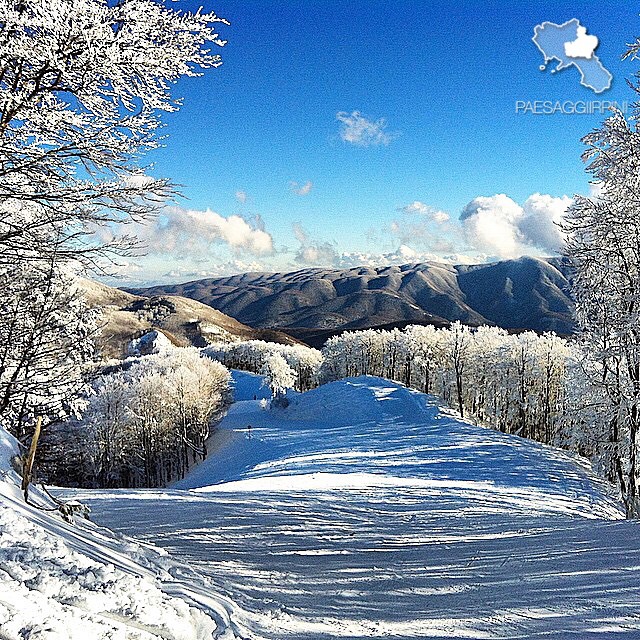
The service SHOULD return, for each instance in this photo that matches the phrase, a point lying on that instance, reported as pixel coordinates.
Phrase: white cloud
(490, 225)
(423, 209)
(241, 196)
(301, 190)
(423, 227)
(583, 46)
(542, 215)
(326, 254)
(229, 268)
(440, 216)
(359, 130)
(122, 269)
(313, 252)
(319, 254)
(501, 228)
(415, 207)
(300, 234)
(185, 244)
(410, 232)
(402, 255)
(490, 228)
(187, 232)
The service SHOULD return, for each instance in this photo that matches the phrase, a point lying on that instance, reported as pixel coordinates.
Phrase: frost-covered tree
(82, 84)
(199, 391)
(584, 426)
(427, 347)
(279, 377)
(554, 357)
(490, 368)
(46, 333)
(176, 397)
(524, 363)
(604, 246)
(457, 348)
(251, 355)
(105, 432)
(514, 383)
(146, 423)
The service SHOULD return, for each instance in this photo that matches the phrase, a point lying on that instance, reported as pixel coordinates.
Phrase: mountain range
(312, 304)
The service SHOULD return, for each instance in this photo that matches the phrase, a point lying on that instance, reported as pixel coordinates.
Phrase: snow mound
(365, 433)
(151, 342)
(359, 400)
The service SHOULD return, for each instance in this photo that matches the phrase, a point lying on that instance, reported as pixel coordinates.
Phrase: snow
(365, 510)
(248, 386)
(61, 581)
(151, 342)
(362, 510)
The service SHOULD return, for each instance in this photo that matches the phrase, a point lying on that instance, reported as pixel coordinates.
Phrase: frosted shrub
(145, 425)
(279, 377)
(252, 355)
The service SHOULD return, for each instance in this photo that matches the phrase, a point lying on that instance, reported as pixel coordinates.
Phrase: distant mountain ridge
(526, 293)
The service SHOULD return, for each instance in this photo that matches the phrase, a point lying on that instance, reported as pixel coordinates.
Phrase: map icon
(570, 46)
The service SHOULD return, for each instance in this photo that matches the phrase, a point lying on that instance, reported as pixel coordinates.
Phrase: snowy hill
(366, 510)
(61, 581)
(125, 317)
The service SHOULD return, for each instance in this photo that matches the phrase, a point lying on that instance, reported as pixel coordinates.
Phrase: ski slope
(366, 510)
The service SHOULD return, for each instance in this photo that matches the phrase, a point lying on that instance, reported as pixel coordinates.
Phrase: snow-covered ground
(366, 510)
(61, 581)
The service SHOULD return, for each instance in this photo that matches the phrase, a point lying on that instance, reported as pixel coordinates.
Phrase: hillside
(76, 581)
(184, 321)
(367, 510)
(527, 293)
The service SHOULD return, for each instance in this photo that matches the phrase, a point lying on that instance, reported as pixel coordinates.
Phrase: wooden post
(28, 465)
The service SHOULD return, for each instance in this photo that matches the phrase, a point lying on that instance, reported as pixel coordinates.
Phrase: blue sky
(444, 77)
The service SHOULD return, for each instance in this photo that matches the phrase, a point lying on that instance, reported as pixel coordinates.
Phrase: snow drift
(66, 581)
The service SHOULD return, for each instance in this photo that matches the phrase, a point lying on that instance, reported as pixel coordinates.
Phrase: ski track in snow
(366, 510)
